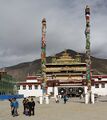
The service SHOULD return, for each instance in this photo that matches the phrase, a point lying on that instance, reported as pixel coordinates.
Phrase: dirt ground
(74, 109)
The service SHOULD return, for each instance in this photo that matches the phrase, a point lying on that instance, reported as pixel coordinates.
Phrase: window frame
(24, 87)
(96, 85)
(102, 85)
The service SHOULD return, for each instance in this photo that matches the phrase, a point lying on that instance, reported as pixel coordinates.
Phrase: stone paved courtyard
(75, 109)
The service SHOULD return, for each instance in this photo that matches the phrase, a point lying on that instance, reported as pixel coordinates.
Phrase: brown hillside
(21, 70)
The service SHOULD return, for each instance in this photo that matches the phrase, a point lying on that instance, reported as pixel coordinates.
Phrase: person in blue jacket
(11, 106)
(15, 107)
(65, 98)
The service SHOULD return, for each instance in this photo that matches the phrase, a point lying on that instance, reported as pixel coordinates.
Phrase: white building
(100, 84)
(31, 87)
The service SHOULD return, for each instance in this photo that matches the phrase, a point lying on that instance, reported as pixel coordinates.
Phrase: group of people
(14, 106)
(28, 106)
(64, 97)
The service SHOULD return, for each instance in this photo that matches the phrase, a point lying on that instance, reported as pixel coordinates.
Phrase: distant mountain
(21, 70)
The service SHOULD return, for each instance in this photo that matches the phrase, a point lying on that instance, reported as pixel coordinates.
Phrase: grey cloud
(20, 28)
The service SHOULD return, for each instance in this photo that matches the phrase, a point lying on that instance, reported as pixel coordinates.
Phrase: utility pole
(88, 58)
(43, 54)
(89, 97)
(43, 63)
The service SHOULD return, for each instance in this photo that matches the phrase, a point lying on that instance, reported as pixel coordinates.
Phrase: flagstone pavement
(74, 109)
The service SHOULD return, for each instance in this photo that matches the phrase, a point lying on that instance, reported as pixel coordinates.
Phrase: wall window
(36, 86)
(96, 85)
(103, 85)
(18, 87)
(99, 78)
(24, 87)
(30, 87)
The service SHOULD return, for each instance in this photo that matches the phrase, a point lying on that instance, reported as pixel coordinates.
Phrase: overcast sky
(20, 28)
